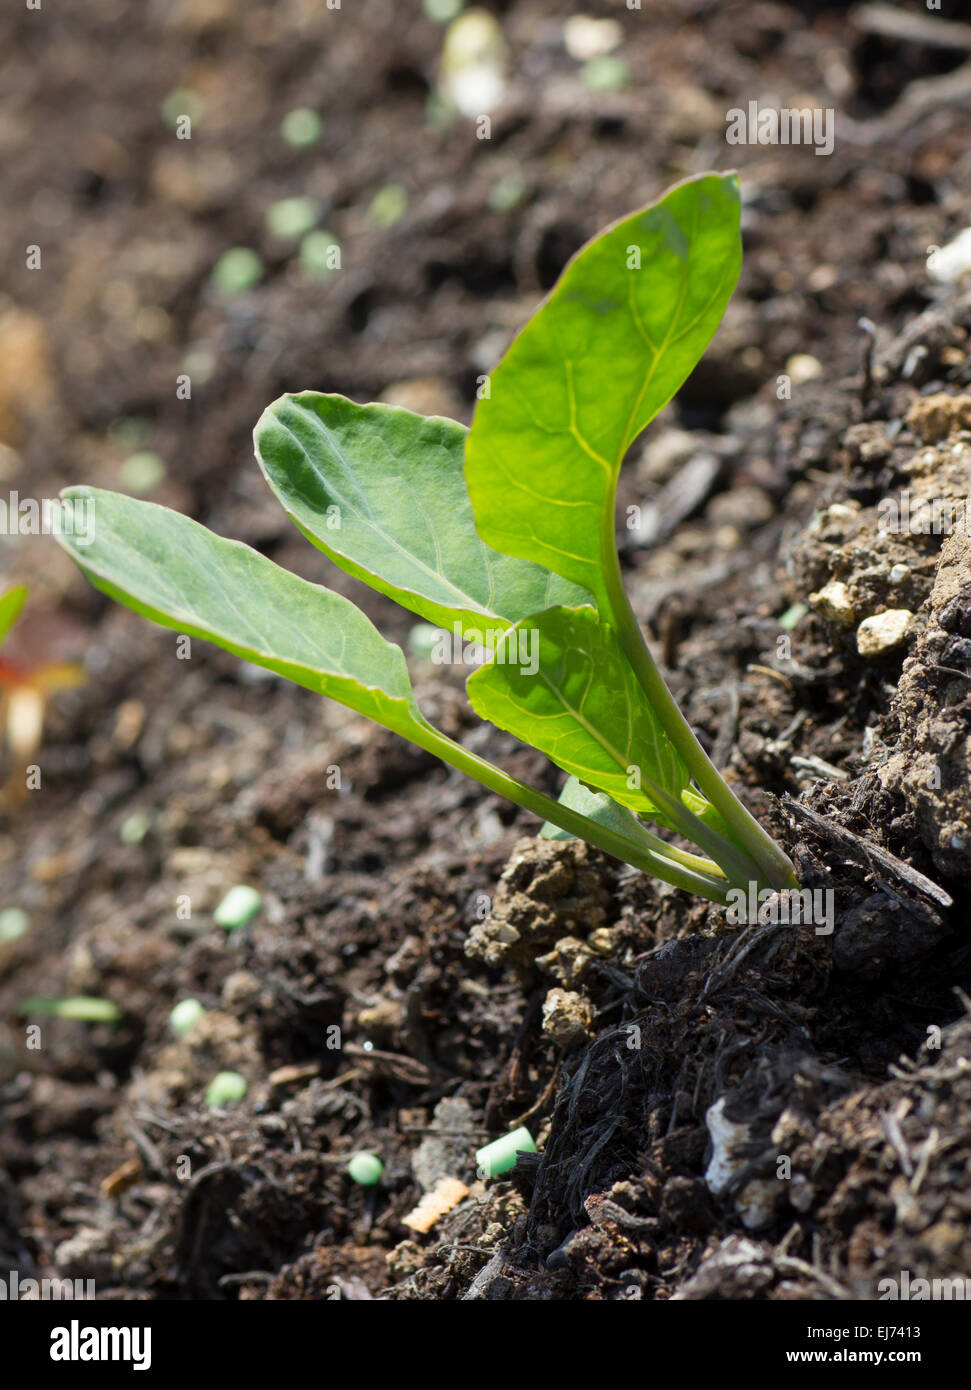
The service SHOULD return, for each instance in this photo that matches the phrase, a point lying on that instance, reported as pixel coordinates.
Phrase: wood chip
(298, 1071)
(446, 1194)
(122, 1178)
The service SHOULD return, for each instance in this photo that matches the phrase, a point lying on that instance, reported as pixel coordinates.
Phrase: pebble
(586, 38)
(883, 631)
(567, 1017)
(950, 263)
(833, 602)
(803, 367)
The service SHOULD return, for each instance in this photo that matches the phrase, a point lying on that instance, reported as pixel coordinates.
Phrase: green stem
(770, 861)
(666, 862)
(739, 867)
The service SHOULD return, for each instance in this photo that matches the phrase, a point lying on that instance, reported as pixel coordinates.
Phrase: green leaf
(174, 571)
(701, 807)
(81, 1007)
(10, 605)
(599, 359)
(598, 807)
(381, 491)
(560, 681)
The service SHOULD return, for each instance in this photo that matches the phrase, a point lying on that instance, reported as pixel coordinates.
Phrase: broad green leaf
(10, 605)
(381, 491)
(174, 571)
(599, 359)
(561, 682)
(596, 806)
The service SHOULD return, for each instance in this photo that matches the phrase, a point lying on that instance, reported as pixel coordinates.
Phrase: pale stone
(883, 631)
(833, 601)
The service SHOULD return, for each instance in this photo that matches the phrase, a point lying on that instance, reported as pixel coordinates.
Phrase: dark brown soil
(765, 1112)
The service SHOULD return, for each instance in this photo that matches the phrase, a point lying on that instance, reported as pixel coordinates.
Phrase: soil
(721, 1112)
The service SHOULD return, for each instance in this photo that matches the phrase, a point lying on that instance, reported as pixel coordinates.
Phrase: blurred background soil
(165, 779)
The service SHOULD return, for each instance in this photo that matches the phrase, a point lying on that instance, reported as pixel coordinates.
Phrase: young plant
(26, 687)
(504, 535)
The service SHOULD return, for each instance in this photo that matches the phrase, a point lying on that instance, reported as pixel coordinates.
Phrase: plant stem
(659, 862)
(771, 861)
(739, 867)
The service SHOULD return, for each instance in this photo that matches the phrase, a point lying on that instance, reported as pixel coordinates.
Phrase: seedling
(365, 1169)
(238, 907)
(25, 691)
(14, 923)
(225, 1088)
(185, 1015)
(301, 127)
(239, 269)
(81, 1007)
(503, 536)
(500, 1156)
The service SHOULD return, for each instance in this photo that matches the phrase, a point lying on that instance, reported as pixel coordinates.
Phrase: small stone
(604, 941)
(758, 1202)
(950, 263)
(586, 38)
(567, 1017)
(883, 631)
(833, 602)
(803, 367)
(568, 962)
(898, 573)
